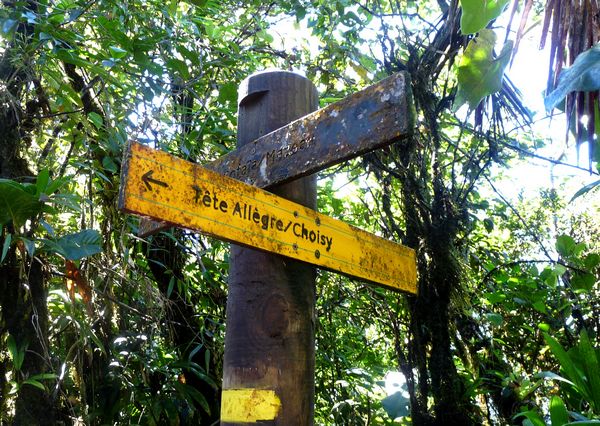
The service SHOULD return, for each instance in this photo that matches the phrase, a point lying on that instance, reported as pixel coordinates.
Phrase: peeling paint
(263, 168)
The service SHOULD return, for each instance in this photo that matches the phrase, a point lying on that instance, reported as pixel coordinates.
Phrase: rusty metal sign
(364, 121)
(163, 187)
(367, 120)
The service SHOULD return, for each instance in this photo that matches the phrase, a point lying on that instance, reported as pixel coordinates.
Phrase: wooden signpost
(369, 119)
(268, 367)
(158, 185)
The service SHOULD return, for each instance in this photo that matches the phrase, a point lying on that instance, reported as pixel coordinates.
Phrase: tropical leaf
(18, 202)
(16, 354)
(476, 14)
(558, 411)
(396, 405)
(5, 247)
(571, 371)
(565, 245)
(587, 188)
(573, 29)
(582, 76)
(591, 368)
(581, 366)
(76, 246)
(479, 73)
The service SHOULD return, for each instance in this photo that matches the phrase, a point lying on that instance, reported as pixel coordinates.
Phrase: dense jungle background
(100, 326)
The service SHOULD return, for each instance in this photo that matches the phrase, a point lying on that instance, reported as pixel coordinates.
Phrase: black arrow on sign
(148, 179)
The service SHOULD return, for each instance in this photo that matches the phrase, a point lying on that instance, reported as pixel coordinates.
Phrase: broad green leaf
(591, 260)
(479, 73)
(495, 297)
(29, 246)
(78, 245)
(18, 202)
(116, 52)
(72, 57)
(8, 25)
(553, 376)
(5, 247)
(583, 281)
(109, 164)
(540, 306)
(591, 367)
(558, 411)
(228, 92)
(559, 270)
(44, 376)
(42, 181)
(584, 190)
(534, 418)
(34, 383)
(96, 119)
(17, 354)
(495, 319)
(565, 245)
(488, 224)
(111, 27)
(179, 67)
(396, 405)
(566, 363)
(49, 229)
(476, 14)
(544, 326)
(582, 76)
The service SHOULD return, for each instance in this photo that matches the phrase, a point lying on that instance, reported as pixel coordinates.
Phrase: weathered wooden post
(269, 346)
(268, 371)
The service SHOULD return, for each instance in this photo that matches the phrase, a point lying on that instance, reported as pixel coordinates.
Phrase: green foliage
(479, 72)
(476, 14)
(17, 354)
(5, 246)
(585, 189)
(18, 202)
(558, 411)
(396, 405)
(581, 368)
(582, 76)
(77, 245)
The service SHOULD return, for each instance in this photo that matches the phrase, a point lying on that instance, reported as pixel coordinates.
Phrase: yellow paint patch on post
(163, 187)
(249, 405)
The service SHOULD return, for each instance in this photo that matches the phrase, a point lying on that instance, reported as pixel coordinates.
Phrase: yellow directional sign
(160, 186)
